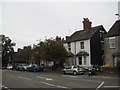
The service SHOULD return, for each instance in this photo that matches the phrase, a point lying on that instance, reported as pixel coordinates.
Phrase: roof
(83, 34)
(114, 30)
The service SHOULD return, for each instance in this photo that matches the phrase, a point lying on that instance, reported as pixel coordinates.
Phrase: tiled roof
(114, 30)
(83, 34)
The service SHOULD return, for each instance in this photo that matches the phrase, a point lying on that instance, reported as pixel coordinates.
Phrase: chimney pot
(67, 37)
(86, 24)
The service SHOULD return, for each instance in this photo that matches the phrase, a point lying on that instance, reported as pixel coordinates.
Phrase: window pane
(84, 60)
(69, 46)
(112, 42)
(80, 60)
(82, 45)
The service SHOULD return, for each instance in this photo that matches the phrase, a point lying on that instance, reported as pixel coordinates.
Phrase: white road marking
(89, 80)
(44, 78)
(74, 76)
(40, 77)
(81, 79)
(99, 85)
(61, 87)
(49, 79)
(47, 84)
(24, 78)
(111, 86)
(102, 77)
(53, 85)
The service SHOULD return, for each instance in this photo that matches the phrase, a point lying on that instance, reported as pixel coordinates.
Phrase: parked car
(16, 66)
(9, 67)
(3, 67)
(35, 67)
(73, 70)
(22, 67)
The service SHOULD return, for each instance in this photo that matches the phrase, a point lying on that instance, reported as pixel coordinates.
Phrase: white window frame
(69, 46)
(85, 60)
(82, 46)
(80, 60)
(112, 43)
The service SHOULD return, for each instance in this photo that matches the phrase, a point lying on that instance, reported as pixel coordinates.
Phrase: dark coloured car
(35, 68)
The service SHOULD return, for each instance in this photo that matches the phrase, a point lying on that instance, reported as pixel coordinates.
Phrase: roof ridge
(114, 30)
(83, 34)
(90, 28)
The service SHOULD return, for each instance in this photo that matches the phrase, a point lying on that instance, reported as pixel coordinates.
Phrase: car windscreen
(76, 67)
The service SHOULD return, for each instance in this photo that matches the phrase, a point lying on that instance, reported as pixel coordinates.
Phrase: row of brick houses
(93, 45)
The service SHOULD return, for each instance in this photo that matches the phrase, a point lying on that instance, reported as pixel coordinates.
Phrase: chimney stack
(86, 24)
(67, 37)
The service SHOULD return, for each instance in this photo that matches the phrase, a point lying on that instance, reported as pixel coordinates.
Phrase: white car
(9, 67)
(22, 67)
(73, 70)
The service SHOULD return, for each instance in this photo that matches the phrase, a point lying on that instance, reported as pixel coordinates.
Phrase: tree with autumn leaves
(50, 50)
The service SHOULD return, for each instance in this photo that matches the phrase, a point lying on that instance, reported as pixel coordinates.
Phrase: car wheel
(74, 73)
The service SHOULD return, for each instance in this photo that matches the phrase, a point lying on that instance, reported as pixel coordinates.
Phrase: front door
(80, 60)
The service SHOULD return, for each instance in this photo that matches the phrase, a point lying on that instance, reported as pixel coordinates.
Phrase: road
(23, 79)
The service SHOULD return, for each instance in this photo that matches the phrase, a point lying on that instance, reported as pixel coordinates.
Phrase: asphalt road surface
(23, 80)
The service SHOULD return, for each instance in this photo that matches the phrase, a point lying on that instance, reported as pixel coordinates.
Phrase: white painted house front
(82, 44)
(76, 47)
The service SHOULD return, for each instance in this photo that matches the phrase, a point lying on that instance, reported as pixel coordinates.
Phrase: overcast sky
(27, 22)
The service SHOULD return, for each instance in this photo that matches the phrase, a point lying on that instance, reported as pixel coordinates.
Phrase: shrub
(108, 68)
(107, 65)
